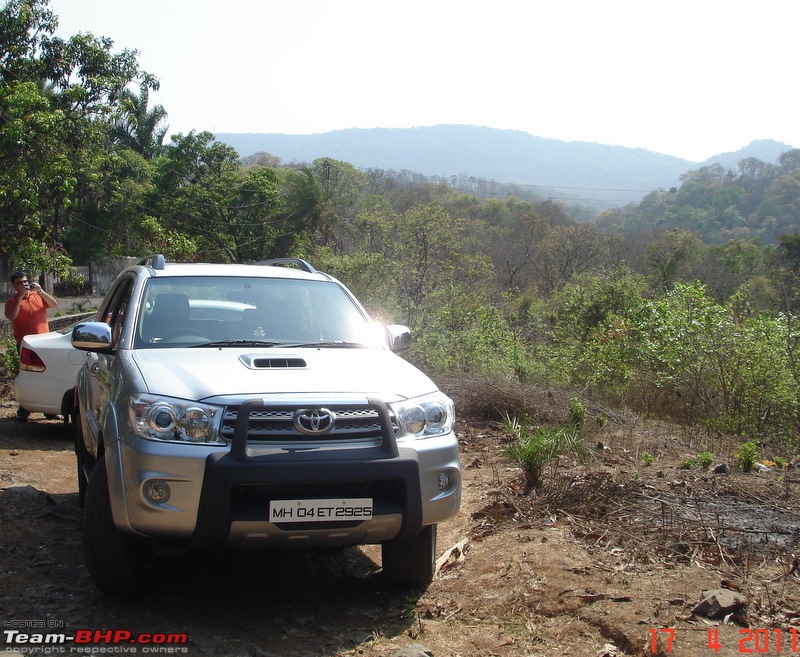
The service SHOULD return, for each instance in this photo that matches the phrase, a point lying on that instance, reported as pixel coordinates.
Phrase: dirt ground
(610, 557)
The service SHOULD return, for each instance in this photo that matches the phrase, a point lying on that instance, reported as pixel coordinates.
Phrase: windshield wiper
(237, 343)
(332, 343)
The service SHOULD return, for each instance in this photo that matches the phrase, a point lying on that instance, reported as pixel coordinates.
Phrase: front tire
(117, 563)
(411, 562)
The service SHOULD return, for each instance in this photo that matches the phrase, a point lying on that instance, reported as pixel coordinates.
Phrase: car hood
(203, 374)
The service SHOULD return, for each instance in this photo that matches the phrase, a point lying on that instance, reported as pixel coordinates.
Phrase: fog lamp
(445, 480)
(157, 491)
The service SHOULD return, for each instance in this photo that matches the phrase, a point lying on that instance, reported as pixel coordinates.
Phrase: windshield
(230, 311)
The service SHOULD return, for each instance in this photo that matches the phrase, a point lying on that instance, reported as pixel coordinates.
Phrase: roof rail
(156, 261)
(297, 262)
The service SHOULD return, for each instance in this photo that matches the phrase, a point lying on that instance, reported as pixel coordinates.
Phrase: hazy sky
(691, 78)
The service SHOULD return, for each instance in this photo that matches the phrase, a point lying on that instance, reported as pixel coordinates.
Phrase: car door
(101, 367)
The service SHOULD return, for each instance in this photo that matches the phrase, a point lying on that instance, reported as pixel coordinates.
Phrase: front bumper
(221, 497)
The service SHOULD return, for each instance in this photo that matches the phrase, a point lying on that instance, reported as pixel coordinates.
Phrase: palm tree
(307, 203)
(138, 127)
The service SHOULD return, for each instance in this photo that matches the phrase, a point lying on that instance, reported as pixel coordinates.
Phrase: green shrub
(705, 460)
(462, 332)
(577, 413)
(747, 455)
(9, 358)
(533, 448)
(647, 458)
(83, 306)
(685, 356)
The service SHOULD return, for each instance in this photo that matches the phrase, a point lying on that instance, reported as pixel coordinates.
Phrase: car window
(120, 314)
(197, 310)
(115, 310)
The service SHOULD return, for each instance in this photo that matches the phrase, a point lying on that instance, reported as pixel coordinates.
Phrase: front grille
(261, 493)
(354, 423)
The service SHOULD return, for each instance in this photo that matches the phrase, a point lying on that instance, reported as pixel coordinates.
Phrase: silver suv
(254, 406)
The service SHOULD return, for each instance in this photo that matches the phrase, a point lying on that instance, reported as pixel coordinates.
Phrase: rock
(205, 644)
(257, 652)
(26, 491)
(413, 650)
(679, 549)
(608, 650)
(717, 603)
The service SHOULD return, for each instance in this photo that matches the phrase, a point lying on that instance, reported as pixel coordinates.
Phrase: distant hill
(765, 150)
(594, 174)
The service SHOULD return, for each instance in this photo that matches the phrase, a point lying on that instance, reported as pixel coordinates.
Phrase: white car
(48, 369)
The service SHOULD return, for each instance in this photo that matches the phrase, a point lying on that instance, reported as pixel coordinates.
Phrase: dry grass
(482, 399)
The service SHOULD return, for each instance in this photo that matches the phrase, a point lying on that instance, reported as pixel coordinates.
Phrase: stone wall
(103, 275)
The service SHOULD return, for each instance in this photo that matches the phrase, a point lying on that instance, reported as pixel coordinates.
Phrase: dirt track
(534, 578)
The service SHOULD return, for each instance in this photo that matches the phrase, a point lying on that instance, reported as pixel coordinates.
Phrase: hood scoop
(273, 362)
(277, 363)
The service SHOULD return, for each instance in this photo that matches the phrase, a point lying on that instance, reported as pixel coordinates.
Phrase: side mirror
(92, 336)
(398, 337)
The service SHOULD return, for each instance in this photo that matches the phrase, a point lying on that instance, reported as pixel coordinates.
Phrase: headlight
(423, 417)
(163, 418)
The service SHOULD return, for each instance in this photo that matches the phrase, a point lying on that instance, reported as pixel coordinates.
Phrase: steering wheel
(181, 332)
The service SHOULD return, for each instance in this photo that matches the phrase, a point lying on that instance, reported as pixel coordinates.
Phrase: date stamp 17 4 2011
(751, 641)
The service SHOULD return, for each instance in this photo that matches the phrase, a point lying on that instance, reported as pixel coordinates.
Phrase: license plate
(326, 510)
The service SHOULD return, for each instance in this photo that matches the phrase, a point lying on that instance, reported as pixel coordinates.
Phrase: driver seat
(170, 313)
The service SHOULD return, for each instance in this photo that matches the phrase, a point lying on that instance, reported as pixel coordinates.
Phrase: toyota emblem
(314, 421)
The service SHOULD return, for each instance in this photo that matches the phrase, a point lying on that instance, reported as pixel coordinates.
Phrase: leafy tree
(307, 206)
(589, 317)
(785, 191)
(674, 254)
(56, 97)
(534, 245)
(588, 301)
(789, 252)
(732, 264)
(790, 160)
(261, 159)
(427, 239)
(140, 127)
(512, 234)
(369, 275)
(231, 214)
(464, 332)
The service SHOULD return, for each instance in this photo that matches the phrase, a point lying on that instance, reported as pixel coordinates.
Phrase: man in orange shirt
(26, 309)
